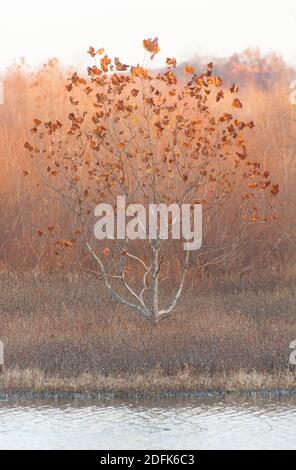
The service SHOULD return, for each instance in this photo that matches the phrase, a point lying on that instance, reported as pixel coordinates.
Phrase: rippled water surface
(163, 424)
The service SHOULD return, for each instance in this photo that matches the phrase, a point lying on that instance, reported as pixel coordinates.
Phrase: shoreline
(34, 385)
(101, 396)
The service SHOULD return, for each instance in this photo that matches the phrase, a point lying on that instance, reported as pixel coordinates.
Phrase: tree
(152, 137)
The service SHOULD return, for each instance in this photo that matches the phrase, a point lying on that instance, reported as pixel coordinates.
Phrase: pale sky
(38, 30)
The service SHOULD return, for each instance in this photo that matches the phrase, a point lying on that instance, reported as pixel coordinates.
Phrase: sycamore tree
(137, 138)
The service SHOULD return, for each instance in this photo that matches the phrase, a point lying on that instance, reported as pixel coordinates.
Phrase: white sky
(38, 30)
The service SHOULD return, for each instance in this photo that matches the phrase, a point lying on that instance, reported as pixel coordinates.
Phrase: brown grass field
(66, 334)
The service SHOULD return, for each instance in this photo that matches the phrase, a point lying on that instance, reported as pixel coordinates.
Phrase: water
(162, 424)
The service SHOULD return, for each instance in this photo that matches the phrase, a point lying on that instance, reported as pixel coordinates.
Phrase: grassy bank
(33, 383)
(65, 334)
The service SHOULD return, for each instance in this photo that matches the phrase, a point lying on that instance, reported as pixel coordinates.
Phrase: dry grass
(32, 381)
(66, 334)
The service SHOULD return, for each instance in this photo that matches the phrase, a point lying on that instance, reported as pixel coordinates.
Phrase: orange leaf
(233, 89)
(91, 51)
(36, 122)
(171, 62)
(188, 69)
(119, 66)
(236, 103)
(106, 252)
(28, 146)
(275, 189)
(151, 45)
(220, 95)
(217, 81)
(105, 62)
(68, 243)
